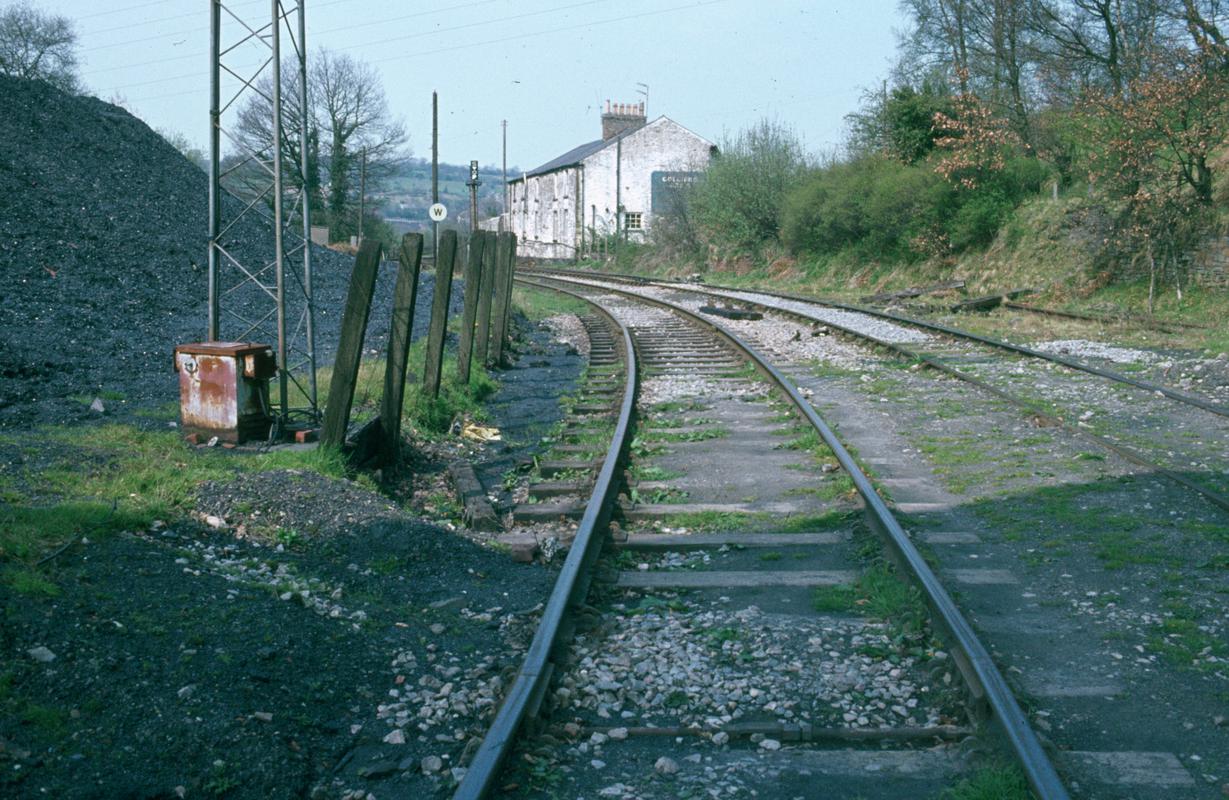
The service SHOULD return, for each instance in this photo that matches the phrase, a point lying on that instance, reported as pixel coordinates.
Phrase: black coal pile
(103, 246)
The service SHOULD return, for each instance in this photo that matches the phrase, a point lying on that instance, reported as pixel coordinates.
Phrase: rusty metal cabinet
(224, 389)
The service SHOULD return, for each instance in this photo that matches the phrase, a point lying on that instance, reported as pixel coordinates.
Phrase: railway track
(1132, 748)
(1157, 416)
(731, 588)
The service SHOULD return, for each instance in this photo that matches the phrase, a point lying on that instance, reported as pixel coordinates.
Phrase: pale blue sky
(546, 66)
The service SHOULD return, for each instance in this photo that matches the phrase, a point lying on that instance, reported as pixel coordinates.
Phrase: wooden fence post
(473, 282)
(404, 300)
(434, 369)
(482, 338)
(511, 277)
(350, 348)
(499, 314)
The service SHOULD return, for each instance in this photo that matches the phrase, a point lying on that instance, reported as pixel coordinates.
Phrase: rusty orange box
(224, 389)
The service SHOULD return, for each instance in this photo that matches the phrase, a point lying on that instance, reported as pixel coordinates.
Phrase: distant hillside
(405, 197)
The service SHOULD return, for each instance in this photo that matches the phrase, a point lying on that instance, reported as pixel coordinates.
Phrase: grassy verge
(97, 481)
(539, 304)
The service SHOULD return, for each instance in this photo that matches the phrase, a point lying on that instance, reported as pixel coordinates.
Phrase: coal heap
(103, 246)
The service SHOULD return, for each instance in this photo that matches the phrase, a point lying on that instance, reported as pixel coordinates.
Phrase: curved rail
(957, 333)
(1172, 394)
(978, 666)
(1217, 499)
(570, 589)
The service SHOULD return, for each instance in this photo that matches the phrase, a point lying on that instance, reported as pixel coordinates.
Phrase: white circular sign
(438, 212)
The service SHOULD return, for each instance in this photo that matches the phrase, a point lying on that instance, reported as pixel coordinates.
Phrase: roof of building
(578, 154)
(574, 156)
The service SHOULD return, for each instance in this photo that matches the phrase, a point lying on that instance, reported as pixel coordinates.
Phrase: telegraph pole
(505, 187)
(435, 168)
(362, 195)
(473, 185)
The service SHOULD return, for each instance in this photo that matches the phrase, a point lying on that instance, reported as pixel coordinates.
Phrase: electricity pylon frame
(272, 297)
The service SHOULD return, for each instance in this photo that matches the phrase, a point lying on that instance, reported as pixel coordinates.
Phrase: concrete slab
(923, 508)
(685, 579)
(949, 537)
(1128, 768)
(656, 511)
(697, 541)
(981, 577)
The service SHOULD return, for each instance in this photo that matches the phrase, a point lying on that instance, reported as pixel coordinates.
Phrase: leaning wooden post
(350, 348)
(439, 314)
(499, 314)
(473, 282)
(404, 297)
(482, 338)
(511, 277)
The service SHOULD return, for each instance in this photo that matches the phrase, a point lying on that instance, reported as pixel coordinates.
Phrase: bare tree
(353, 115)
(38, 46)
(347, 113)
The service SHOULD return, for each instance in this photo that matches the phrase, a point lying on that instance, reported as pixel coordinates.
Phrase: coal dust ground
(294, 635)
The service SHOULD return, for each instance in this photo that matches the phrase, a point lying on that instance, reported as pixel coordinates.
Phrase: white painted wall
(544, 208)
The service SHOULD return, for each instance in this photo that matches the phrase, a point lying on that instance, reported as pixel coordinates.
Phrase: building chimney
(621, 117)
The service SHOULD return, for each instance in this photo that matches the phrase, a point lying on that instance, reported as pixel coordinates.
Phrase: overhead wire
(499, 40)
(459, 7)
(180, 32)
(130, 25)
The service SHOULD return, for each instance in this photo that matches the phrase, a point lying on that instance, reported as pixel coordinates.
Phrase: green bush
(983, 210)
(908, 120)
(878, 207)
(875, 206)
(738, 203)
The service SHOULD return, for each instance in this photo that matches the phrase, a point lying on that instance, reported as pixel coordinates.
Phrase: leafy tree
(738, 203)
(909, 121)
(1155, 155)
(37, 45)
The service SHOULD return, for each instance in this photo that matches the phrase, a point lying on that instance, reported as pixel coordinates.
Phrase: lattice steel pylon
(263, 288)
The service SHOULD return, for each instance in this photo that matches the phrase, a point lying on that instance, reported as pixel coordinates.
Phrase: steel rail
(1172, 394)
(569, 591)
(1164, 326)
(1217, 499)
(957, 333)
(978, 667)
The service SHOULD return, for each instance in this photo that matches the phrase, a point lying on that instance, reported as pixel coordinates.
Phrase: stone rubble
(708, 667)
(567, 328)
(1083, 349)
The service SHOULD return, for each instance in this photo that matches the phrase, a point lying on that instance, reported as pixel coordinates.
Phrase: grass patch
(816, 523)
(538, 304)
(99, 480)
(715, 520)
(426, 416)
(641, 472)
(23, 580)
(879, 594)
(990, 783)
(698, 435)
(675, 407)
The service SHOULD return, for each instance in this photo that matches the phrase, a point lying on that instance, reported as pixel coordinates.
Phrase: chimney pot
(621, 118)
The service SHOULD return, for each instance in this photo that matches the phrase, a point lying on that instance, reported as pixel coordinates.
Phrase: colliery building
(605, 189)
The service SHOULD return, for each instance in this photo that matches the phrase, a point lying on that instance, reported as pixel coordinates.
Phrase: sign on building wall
(665, 187)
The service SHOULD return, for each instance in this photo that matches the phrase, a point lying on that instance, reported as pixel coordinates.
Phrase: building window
(633, 220)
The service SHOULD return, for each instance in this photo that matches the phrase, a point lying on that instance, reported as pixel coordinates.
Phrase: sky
(545, 66)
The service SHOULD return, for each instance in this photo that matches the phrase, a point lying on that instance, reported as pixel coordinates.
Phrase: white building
(607, 188)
